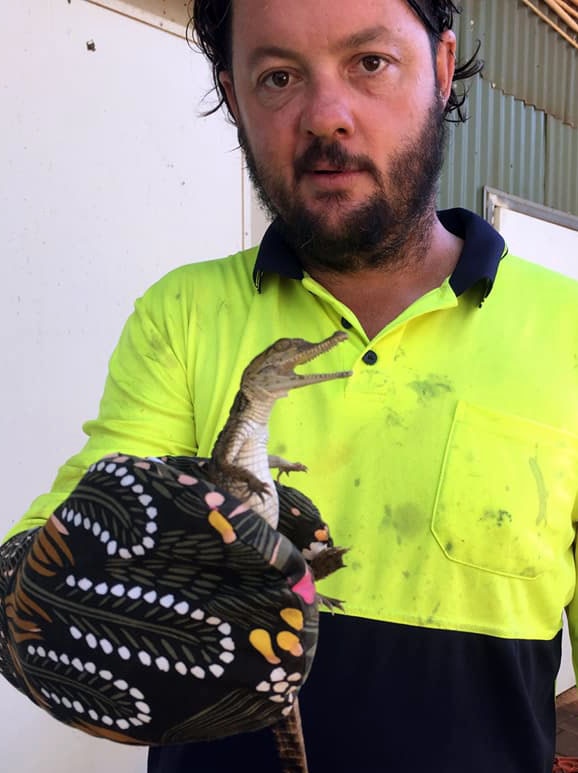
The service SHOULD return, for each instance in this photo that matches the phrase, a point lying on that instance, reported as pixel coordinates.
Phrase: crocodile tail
(290, 742)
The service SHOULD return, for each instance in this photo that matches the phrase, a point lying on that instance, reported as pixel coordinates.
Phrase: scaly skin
(239, 460)
(240, 464)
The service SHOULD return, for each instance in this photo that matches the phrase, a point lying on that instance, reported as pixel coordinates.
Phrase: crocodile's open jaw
(275, 365)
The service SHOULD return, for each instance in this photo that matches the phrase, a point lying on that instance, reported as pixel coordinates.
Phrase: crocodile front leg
(278, 463)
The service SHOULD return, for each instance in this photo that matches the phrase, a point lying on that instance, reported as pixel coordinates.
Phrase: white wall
(108, 179)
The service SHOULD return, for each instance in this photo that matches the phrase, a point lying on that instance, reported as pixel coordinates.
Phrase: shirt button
(346, 324)
(370, 357)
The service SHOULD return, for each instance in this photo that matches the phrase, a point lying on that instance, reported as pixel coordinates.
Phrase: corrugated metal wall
(507, 144)
(562, 165)
(525, 57)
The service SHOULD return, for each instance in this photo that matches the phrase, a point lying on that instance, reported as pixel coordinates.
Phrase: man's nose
(327, 112)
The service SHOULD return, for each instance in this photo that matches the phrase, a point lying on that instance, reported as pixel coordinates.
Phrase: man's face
(340, 112)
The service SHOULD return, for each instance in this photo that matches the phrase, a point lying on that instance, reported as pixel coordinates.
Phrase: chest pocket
(506, 493)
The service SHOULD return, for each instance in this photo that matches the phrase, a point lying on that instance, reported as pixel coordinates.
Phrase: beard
(375, 234)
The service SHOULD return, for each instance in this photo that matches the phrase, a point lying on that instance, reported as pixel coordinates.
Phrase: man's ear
(446, 63)
(226, 81)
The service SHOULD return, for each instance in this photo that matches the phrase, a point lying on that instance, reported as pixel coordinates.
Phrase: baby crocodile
(240, 464)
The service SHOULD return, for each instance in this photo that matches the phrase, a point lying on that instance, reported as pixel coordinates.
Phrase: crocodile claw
(331, 604)
(327, 561)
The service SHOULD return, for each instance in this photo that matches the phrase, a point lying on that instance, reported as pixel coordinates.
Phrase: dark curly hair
(210, 30)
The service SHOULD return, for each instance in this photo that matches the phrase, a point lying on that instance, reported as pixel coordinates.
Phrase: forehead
(307, 24)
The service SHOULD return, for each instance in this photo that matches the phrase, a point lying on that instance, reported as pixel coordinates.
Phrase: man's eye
(372, 63)
(279, 79)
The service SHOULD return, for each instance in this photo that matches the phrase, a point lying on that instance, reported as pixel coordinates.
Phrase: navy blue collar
(478, 263)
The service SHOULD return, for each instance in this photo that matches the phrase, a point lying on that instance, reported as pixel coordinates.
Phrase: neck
(377, 295)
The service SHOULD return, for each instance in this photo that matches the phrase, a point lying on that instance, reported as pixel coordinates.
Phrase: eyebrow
(265, 52)
(356, 40)
(364, 36)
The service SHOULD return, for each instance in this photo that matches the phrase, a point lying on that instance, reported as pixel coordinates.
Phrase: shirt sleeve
(146, 408)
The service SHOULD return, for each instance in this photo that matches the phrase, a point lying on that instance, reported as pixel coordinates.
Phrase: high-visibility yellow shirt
(448, 463)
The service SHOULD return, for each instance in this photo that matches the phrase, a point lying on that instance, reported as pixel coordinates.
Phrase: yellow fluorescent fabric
(449, 467)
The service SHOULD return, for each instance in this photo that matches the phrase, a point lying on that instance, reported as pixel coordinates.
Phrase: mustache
(335, 156)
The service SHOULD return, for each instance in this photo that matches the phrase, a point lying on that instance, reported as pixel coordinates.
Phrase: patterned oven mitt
(154, 609)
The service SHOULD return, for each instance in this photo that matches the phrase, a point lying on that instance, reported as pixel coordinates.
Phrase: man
(448, 462)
